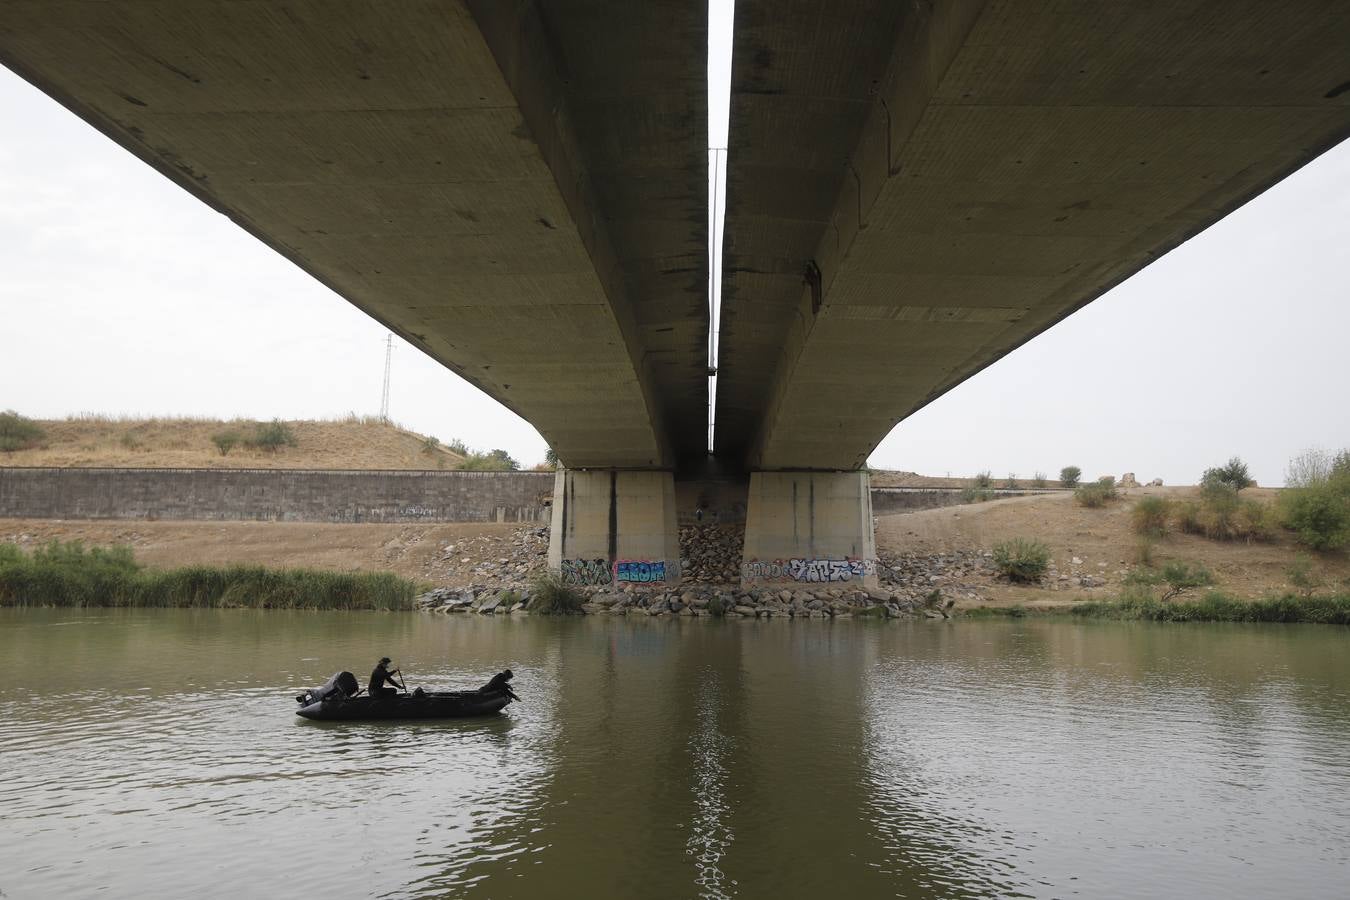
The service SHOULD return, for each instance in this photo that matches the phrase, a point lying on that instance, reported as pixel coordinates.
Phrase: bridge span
(519, 188)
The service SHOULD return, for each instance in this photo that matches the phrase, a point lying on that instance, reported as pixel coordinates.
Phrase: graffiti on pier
(586, 571)
(641, 571)
(417, 512)
(809, 570)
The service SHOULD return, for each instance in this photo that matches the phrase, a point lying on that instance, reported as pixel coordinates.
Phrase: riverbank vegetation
(18, 432)
(549, 596)
(1022, 561)
(1316, 503)
(1215, 606)
(1219, 607)
(1315, 506)
(70, 574)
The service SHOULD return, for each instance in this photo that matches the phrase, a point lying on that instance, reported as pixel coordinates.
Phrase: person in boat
(499, 684)
(380, 676)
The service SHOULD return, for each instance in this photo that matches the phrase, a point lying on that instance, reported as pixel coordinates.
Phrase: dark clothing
(498, 682)
(378, 678)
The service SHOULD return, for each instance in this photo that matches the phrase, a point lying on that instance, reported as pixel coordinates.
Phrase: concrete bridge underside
(519, 188)
(916, 189)
(516, 188)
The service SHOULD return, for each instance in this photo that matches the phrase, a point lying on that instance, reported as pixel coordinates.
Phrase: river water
(155, 753)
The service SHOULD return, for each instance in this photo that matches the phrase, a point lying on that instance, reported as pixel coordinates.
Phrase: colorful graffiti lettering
(640, 571)
(809, 570)
(586, 571)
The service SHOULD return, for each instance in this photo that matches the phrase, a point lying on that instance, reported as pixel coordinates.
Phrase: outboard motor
(341, 686)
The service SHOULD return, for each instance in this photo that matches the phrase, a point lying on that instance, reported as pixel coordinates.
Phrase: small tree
(18, 432)
(1011, 483)
(1181, 577)
(509, 464)
(1303, 576)
(225, 441)
(1233, 474)
(1069, 475)
(551, 458)
(1038, 481)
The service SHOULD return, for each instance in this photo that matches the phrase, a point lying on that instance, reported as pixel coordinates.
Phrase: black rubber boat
(336, 701)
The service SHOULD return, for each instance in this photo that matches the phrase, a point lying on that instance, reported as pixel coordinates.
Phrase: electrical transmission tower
(384, 397)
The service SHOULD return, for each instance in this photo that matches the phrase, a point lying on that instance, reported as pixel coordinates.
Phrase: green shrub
(549, 596)
(1011, 483)
(1143, 550)
(1097, 494)
(1303, 576)
(19, 432)
(983, 481)
(975, 495)
(225, 441)
(869, 612)
(1318, 516)
(272, 436)
(507, 600)
(1152, 517)
(492, 461)
(1038, 481)
(1016, 611)
(1021, 560)
(130, 441)
(430, 445)
(1181, 577)
(1317, 507)
(457, 446)
(1218, 607)
(1069, 475)
(1221, 515)
(716, 607)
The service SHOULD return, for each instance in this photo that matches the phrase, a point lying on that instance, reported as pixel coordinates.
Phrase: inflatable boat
(338, 700)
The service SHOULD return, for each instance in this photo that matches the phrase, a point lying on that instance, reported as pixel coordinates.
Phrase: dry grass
(355, 442)
(1097, 536)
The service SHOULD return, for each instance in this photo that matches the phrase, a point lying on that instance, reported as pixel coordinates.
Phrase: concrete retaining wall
(286, 495)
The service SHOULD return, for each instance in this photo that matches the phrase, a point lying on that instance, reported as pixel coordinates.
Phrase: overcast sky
(121, 294)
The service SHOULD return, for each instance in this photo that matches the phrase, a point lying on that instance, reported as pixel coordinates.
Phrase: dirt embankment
(439, 554)
(1093, 550)
(1100, 540)
(353, 443)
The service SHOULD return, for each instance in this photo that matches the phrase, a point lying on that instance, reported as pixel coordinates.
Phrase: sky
(123, 295)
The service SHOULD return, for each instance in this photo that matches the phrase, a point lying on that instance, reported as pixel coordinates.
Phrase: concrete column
(611, 527)
(809, 528)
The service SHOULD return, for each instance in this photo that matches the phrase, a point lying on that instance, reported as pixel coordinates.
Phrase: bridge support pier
(809, 528)
(612, 527)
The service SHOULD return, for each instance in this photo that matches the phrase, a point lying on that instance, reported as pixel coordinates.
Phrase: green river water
(155, 753)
